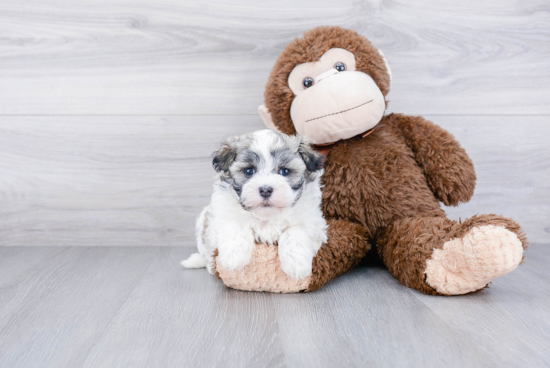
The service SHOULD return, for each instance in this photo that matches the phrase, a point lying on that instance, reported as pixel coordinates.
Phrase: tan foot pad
(469, 263)
(263, 273)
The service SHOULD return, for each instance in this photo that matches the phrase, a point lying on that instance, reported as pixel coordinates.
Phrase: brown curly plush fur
(388, 185)
(347, 246)
(403, 169)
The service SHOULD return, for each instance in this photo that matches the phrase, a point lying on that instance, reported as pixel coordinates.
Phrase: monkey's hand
(446, 165)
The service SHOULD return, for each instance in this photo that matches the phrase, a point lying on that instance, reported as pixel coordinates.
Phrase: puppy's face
(267, 171)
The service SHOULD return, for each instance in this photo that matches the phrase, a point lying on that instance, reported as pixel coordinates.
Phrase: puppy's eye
(284, 171)
(340, 66)
(308, 82)
(250, 171)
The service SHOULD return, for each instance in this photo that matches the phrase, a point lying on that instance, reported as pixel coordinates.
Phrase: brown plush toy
(385, 176)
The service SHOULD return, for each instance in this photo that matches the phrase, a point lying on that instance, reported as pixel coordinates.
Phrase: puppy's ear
(225, 156)
(314, 160)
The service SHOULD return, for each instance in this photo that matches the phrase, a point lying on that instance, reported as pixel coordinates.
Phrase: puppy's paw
(234, 257)
(296, 260)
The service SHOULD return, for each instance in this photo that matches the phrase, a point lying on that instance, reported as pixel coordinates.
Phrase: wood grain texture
(189, 57)
(143, 180)
(109, 112)
(136, 307)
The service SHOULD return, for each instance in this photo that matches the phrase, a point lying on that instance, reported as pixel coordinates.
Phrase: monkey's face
(329, 85)
(333, 100)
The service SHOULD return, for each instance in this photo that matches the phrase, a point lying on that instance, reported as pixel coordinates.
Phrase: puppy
(267, 191)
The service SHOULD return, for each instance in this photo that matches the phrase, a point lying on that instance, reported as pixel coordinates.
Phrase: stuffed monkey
(385, 176)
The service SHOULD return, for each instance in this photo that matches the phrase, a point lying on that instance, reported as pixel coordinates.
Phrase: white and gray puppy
(267, 191)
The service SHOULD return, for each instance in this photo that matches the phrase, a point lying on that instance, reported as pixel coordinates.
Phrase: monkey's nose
(326, 74)
(266, 192)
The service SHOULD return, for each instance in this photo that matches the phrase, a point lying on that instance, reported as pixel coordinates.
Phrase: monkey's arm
(448, 169)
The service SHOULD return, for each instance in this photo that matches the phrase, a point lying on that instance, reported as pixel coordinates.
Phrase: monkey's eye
(308, 82)
(284, 171)
(340, 66)
(250, 171)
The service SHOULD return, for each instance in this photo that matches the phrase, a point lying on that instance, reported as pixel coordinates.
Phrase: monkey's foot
(469, 263)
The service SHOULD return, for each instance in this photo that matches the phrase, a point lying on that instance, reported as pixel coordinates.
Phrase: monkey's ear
(385, 62)
(314, 160)
(266, 117)
(225, 156)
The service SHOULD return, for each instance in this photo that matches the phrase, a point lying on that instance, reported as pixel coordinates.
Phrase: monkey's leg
(345, 248)
(439, 256)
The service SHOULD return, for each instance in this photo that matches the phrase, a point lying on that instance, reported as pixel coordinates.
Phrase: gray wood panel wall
(109, 110)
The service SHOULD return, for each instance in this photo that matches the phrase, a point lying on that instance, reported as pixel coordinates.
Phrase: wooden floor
(136, 307)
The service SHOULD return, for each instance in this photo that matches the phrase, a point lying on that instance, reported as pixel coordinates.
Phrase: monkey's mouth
(340, 112)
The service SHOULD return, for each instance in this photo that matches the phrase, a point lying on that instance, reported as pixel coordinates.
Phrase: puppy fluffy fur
(267, 191)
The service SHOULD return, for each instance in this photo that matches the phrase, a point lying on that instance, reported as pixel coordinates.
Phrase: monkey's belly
(375, 180)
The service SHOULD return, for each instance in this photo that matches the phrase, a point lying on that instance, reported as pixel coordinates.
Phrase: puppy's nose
(266, 192)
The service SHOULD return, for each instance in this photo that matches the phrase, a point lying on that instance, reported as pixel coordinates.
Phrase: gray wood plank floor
(136, 307)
